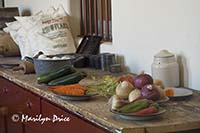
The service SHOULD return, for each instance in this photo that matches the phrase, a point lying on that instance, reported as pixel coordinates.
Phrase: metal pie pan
(75, 98)
(132, 116)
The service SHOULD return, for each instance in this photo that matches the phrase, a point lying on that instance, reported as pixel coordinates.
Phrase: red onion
(150, 92)
(142, 80)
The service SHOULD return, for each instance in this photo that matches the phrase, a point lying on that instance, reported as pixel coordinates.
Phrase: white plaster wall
(37, 5)
(143, 27)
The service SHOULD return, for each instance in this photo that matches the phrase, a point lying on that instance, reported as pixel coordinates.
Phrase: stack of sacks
(48, 32)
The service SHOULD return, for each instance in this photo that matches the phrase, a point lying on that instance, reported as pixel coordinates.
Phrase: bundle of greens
(104, 87)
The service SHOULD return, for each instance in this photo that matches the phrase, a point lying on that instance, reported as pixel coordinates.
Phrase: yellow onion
(123, 89)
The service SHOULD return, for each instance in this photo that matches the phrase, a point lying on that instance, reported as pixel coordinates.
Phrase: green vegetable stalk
(135, 106)
(105, 87)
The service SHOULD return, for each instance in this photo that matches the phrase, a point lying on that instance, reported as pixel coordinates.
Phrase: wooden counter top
(180, 115)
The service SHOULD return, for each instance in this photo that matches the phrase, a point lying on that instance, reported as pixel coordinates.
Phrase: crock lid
(163, 54)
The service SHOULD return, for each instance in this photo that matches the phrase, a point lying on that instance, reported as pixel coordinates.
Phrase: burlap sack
(7, 46)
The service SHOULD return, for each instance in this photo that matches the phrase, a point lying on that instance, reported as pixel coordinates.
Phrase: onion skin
(150, 92)
(123, 89)
(162, 92)
(135, 94)
(142, 80)
(117, 102)
(158, 83)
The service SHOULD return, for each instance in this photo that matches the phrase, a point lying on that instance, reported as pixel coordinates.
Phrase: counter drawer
(7, 91)
(17, 99)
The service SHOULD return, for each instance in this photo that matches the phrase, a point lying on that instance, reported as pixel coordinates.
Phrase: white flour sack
(19, 35)
(53, 37)
(48, 32)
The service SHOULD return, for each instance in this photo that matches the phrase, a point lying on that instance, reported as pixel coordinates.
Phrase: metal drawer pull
(29, 104)
(5, 90)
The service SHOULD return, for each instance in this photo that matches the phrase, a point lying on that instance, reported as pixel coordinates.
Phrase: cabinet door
(75, 125)
(5, 93)
(24, 103)
(2, 109)
(18, 101)
(36, 128)
(2, 120)
(7, 100)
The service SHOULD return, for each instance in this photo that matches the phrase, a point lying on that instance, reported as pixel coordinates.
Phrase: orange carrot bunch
(74, 89)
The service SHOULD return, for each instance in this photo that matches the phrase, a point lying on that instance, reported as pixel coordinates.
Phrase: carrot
(169, 92)
(74, 89)
(148, 110)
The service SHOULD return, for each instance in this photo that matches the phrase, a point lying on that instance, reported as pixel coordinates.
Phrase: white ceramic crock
(166, 69)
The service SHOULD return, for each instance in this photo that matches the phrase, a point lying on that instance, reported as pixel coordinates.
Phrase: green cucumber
(155, 105)
(65, 70)
(135, 106)
(68, 79)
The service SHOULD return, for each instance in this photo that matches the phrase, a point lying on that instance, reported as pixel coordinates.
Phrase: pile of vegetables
(137, 94)
(140, 107)
(62, 76)
(141, 86)
(64, 80)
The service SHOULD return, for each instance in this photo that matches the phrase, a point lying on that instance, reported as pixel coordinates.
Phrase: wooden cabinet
(74, 125)
(8, 95)
(16, 100)
(2, 120)
(3, 109)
